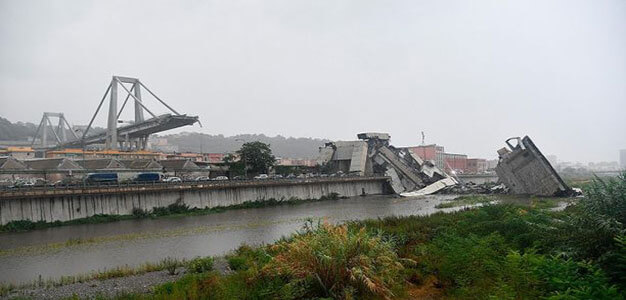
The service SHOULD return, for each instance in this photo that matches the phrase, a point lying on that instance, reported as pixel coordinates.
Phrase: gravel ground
(110, 287)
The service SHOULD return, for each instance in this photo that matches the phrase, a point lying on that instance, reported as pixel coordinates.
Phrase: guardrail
(130, 187)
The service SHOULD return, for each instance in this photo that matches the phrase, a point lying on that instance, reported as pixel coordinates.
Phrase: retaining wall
(74, 203)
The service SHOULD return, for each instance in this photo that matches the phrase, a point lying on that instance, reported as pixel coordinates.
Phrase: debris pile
(521, 169)
(373, 155)
(524, 170)
(473, 188)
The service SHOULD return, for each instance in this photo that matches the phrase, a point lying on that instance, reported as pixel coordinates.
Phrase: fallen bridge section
(372, 154)
(524, 170)
(75, 203)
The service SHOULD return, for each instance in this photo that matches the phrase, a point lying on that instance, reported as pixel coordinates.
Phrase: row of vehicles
(147, 177)
(104, 178)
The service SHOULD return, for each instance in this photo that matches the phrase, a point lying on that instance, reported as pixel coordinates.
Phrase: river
(80, 249)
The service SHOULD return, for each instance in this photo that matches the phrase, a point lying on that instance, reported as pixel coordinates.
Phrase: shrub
(140, 213)
(171, 264)
(469, 264)
(598, 218)
(246, 257)
(237, 263)
(331, 196)
(188, 287)
(338, 262)
(21, 225)
(200, 265)
(557, 277)
(175, 208)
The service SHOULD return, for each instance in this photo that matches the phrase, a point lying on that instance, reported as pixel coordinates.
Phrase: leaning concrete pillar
(44, 134)
(111, 142)
(138, 108)
(61, 129)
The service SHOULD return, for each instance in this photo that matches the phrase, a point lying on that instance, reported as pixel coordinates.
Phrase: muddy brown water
(80, 249)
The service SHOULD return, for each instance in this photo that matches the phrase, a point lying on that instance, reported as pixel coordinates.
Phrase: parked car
(40, 182)
(22, 183)
(68, 181)
(239, 178)
(172, 179)
(290, 176)
(220, 178)
(203, 178)
(261, 176)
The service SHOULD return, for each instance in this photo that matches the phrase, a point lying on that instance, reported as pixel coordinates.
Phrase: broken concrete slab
(524, 170)
(432, 188)
(466, 188)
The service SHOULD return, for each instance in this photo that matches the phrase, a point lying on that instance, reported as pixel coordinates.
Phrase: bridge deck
(147, 127)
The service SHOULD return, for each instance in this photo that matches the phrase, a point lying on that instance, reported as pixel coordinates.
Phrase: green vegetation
(466, 200)
(172, 210)
(501, 251)
(200, 265)
(255, 157)
(25, 225)
(473, 200)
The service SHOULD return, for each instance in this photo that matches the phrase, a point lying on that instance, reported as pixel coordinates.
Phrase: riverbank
(475, 252)
(112, 283)
(173, 210)
(81, 249)
(502, 251)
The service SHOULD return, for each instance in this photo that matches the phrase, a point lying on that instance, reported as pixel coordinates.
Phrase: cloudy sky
(468, 73)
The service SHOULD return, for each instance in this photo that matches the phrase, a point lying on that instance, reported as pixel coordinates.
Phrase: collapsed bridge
(133, 136)
(372, 155)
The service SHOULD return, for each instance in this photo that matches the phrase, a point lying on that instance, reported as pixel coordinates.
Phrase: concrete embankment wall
(65, 205)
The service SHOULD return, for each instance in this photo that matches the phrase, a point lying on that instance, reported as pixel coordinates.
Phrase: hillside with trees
(194, 142)
(16, 131)
(281, 146)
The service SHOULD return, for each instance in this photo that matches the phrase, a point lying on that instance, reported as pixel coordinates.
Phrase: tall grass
(338, 262)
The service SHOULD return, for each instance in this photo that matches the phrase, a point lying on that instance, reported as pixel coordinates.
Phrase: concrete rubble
(373, 155)
(524, 170)
(473, 188)
(521, 169)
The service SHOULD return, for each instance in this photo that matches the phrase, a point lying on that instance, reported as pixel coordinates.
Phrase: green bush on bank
(200, 265)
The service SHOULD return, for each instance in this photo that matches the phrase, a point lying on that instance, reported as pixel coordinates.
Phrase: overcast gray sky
(468, 73)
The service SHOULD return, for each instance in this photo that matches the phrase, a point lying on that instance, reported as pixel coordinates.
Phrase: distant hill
(281, 146)
(16, 131)
(192, 141)
(20, 131)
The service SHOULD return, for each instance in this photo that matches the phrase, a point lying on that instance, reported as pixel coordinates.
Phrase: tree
(235, 165)
(256, 156)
